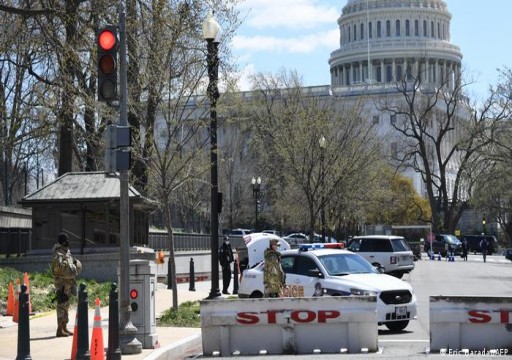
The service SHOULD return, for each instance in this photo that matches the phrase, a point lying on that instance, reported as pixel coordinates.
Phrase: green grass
(187, 315)
(42, 291)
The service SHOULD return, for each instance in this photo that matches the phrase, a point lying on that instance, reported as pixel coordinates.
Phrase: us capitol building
(383, 42)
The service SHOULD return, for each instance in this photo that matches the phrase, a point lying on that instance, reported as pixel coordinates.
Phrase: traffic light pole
(128, 342)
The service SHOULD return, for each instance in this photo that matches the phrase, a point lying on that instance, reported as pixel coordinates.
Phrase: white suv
(391, 252)
(322, 270)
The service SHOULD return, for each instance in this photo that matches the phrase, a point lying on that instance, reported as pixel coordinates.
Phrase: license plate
(401, 311)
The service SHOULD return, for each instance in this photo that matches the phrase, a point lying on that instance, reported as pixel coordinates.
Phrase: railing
(15, 241)
(184, 242)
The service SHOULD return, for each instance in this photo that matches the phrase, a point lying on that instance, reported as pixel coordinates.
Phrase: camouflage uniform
(273, 276)
(65, 270)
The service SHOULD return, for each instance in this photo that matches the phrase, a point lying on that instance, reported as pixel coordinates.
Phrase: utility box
(142, 300)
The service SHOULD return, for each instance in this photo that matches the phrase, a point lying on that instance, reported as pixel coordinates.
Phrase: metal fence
(183, 242)
(14, 241)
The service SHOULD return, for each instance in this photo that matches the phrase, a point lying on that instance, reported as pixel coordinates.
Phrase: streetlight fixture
(256, 187)
(322, 143)
(211, 35)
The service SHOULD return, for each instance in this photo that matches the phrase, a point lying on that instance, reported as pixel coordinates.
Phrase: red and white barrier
(471, 324)
(289, 326)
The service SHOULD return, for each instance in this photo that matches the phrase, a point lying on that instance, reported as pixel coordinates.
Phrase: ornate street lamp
(322, 143)
(211, 35)
(256, 187)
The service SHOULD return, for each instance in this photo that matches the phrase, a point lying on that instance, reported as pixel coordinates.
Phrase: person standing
(465, 249)
(225, 259)
(483, 247)
(273, 276)
(65, 269)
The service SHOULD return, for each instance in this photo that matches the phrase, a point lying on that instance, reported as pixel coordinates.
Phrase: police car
(325, 269)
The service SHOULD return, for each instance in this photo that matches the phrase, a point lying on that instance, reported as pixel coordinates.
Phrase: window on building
(379, 30)
(388, 28)
(379, 71)
(407, 28)
(397, 28)
(432, 31)
(389, 73)
(408, 73)
(355, 33)
(425, 28)
(392, 119)
(399, 72)
(416, 28)
(370, 30)
(362, 31)
(375, 119)
(348, 28)
(439, 30)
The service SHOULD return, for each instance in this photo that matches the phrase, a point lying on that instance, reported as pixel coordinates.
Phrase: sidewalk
(45, 346)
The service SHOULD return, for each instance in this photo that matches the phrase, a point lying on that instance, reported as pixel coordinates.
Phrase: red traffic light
(107, 39)
(134, 293)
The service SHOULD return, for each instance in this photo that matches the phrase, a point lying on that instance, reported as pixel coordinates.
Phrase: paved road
(431, 278)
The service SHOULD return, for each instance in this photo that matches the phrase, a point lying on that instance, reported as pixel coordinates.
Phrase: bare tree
(442, 133)
(321, 147)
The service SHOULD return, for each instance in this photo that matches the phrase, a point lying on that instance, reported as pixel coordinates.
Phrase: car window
(366, 245)
(400, 245)
(355, 245)
(287, 264)
(382, 245)
(303, 265)
(338, 264)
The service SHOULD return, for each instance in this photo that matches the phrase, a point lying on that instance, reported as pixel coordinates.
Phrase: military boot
(61, 331)
(66, 330)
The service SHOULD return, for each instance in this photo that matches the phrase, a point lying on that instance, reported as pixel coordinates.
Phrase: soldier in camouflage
(273, 276)
(64, 269)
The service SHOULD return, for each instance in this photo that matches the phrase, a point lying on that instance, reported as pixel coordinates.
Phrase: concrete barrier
(289, 326)
(471, 325)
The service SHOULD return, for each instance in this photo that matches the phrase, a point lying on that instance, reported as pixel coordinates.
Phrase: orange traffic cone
(10, 301)
(16, 301)
(25, 281)
(97, 350)
(75, 338)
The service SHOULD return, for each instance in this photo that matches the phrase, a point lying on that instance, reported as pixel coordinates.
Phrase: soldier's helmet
(78, 266)
(273, 242)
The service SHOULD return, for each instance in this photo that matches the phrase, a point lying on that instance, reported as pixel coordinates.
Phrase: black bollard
(169, 274)
(82, 351)
(192, 285)
(23, 326)
(114, 351)
(235, 277)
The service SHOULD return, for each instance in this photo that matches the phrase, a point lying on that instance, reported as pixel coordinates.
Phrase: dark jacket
(225, 255)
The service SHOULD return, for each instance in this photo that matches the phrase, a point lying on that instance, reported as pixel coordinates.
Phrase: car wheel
(256, 295)
(397, 326)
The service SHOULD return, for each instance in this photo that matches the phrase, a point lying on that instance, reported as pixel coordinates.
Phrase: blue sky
(300, 35)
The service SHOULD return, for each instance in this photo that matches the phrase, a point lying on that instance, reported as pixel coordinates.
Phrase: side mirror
(315, 273)
(381, 269)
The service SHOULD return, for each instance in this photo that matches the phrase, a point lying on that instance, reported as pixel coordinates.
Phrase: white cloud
(300, 44)
(292, 14)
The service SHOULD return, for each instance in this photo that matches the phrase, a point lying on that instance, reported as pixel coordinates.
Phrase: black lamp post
(322, 143)
(211, 32)
(256, 187)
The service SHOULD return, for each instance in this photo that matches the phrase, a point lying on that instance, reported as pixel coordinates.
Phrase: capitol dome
(400, 39)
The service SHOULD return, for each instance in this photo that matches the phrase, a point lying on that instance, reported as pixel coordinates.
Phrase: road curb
(177, 349)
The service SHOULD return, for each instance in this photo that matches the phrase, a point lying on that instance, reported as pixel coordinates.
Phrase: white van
(391, 252)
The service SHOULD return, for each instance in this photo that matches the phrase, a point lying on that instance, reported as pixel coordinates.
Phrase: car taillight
(392, 259)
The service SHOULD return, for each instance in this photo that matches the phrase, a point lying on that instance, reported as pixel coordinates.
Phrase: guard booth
(142, 300)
